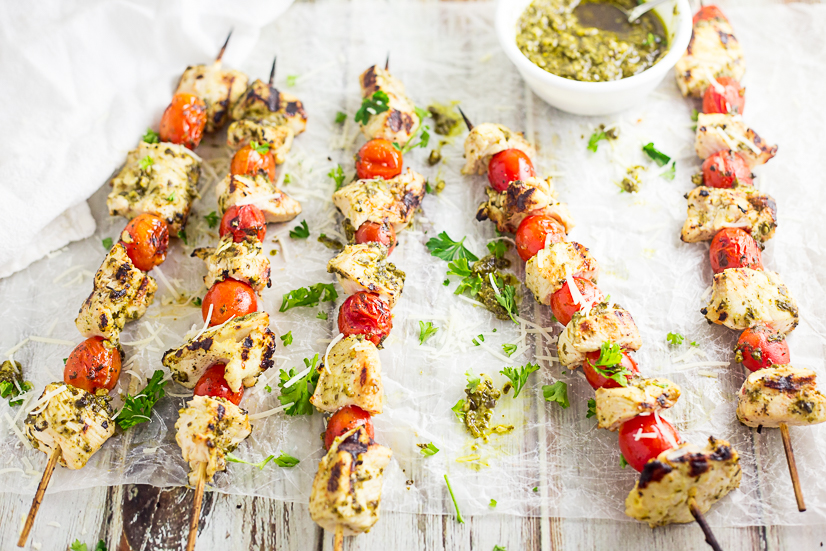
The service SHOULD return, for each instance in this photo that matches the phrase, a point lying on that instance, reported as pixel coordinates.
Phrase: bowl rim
(507, 40)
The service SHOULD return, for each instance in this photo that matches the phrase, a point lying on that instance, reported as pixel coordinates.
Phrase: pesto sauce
(487, 294)
(478, 409)
(592, 42)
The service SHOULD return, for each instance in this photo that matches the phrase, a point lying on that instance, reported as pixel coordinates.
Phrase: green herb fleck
(171, 197)
(308, 296)
(657, 156)
(596, 137)
(146, 162)
(260, 148)
(373, 105)
(107, 243)
(287, 179)
(337, 174)
(292, 80)
(499, 547)
(447, 249)
(506, 299)
(695, 115)
(674, 339)
(322, 315)
(182, 236)
(509, 349)
(459, 410)
(268, 388)
(592, 409)
(298, 394)
(519, 376)
(609, 363)
(283, 460)
(302, 231)
(557, 392)
(498, 248)
(341, 117)
(428, 449)
(623, 462)
(492, 503)
(426, 330)
(77, 546)
(197, 301)
(695, 343)
(151, 136)
(472, 380)
(212, 220)
(137, 409)
(287, 339)
(459, 518)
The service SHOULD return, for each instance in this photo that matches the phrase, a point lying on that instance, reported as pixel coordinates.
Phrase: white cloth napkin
(81, 81)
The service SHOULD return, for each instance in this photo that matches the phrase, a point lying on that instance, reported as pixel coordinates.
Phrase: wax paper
(555, 462)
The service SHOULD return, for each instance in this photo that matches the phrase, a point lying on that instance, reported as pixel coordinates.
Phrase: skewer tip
(701, 520)
(467, 122)
(224, 47)
(387, 62)
(272, 71)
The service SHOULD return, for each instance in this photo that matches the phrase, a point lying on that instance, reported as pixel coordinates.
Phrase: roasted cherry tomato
(533, 232)
(734, 248)
(146, 239)
(345, 419)
(243, 222)
(378, 158)
(365, 314)
(731, 99)
(212, 383)
(708, 12)
(726, 169)
(563, 305)
(184, 120)
(228, 298)
(638, 452)
(371, 232)
(760, 346)
(252, 159)
(597, 380)
(94, 364)
(509, 166)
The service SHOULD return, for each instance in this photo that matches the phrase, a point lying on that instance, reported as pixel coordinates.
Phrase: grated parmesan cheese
(269, 412)
(48, 340)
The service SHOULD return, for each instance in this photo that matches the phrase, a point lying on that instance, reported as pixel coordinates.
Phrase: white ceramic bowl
(594, 98)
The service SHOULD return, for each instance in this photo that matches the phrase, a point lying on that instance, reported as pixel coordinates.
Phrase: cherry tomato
(563, 305)
(726, 169)
(228, 298)
(734, 248)
(639, 452)
(533, 232)
(345, 419)
(365, 314)
(252, 159)
(184, 120)
(708, 12)
(508, 166)
(146, 239)
(244, 221)
(94, 364)
(731, 99)
(378, 158)
(759, 347)
(212, 383)
(597, 380)
(371, 232)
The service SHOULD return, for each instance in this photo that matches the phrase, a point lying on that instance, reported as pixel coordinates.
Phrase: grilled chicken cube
(399, 122)
(264, 103)
(394, 200)
(279, 138)
(245, 345)
(351, 377)
(257, 190)
(532, 196)
(722, 132)
(666, 483)
(365, 268)
(587, 332)
(615, 406)
(206, 430)
(713, 52)
(219, 88)
(72, 419)
(244, 261)
(712, 209)
(488, 139)
(347, 489)
(742, 298)
(781, 394)
(121, 293)
(159, 179)
(547, 271)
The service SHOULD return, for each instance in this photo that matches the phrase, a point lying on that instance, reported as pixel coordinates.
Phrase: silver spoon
(642, 9)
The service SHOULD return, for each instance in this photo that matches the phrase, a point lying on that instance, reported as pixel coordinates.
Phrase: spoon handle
(638, 12)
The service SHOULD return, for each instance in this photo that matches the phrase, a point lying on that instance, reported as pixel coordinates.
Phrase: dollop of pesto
(478, 409)
(329, 242)
(445, 119)
(487, 294)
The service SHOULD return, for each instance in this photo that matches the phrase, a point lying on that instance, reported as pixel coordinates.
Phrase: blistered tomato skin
(93, 365)
(378, 158)
(725, 169)
(371, 232)
(228, 298)
(146, 240)
(365, 314)
(734, 248)
(212, 383)
(638, 452)
(243, 221)
(563, 305)
(250, 161)
(509, 166)
(708, 12)
(760, 347)
(345, 419)
(534, 231)
(729, 97)
(597, 380)
(184, 120)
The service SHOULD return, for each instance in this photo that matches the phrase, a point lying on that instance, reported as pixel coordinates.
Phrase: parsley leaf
(424, 139)
(260, 148)
(593, 141)
(498, 248)
(171, 197)
(268, 388)
(557, 392)
(499, 548)
(153, 137)
(592, 409)
(447, 249)
(472, 283)
(302, 231)
(459, 267)
(137, 409)
(658, 156)
(287, 179)
(492, 503)
(506, 298)
(459, 410)
(308, 296)
(695, 115)
(292, 80)
(674, 339)
(649, 40)
(146, 162)
(459, 518)
(182, 235)
(472, 380)
(671, 172)
(286, 461)
(519, 376)
(623, 462)
(283, 460)
(108, 243)
(298, 394)
(609, 363)
(426, 330)
(428, 449)
(77, 546)
(321, 315)
(287, 339)
(337, 174)
(341, 117)
(509, 349)
(695, 343)
(197, 301)
(373, 105)
(212, 219)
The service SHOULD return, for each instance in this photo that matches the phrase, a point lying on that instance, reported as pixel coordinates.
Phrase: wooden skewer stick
(38, 497)
(338, 539)
(272, 71)
(701, 520)
(196, 508)
(387, 62)
(224, 47)
(787, 446)
(467, 122)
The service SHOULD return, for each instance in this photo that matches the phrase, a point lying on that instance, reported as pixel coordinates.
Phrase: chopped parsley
(592, 409)
(292, 80)
(695, 343)
(506, 298)
(107, 243)
(337, 174)
(212, 219)
(459, 410)
(428, 449)
(479, 338)
(519, 376)
(146, 162)
(459, 518)
(623, 462)
(373, 105)
(557, 392)
(268, 388)
(302, 231)
(492, 503)
(287, 179)
(308, 296)
(657, 156)
(671, 172)
(421, 132)
(182, 235)
(283, 460)
(287, 339)
(260, 148)
(298, 394)
(509, 349)
(674, 339)
(649, 40)
(322, 315)
(137, 409)
(609, 363)
(9, 389)
(426, 330)
(171, 197)
(596, 137)
(447, 249)
(197, 301)
(472, 380)
(153, 137)
(695, 115)
(77, 546)
(341, 117)
(498, 248)
(499, 547)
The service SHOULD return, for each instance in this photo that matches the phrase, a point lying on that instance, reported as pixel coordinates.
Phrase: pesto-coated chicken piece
(712, 209)
(278, 137)
(615, 406)
(121, 293)
(523, 198)
(722, 132)
(257, 190)
(246, 345)
(399, 122)
(548, 270)
(713, 52)
(394, 200)
(160, 179)
(244, 261)
(587, 332)
(781, 394)
(72, 419)
(365, 268)
(488, 139)
(742, 298)
(666, 483)
(265, 104)
(206, 430)
(351, 377)
(347, 489)
(219, 88)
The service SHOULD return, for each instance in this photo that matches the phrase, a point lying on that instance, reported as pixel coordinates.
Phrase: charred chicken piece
(267, 106)
(394, 200)
(488, 139)
(587, 332)
(244, 261)
(365, 268)
(713, 52)
(615, 406)
(352, 377)
(399, 122)
(523, 198)
(547, 271)
(219, 88)
(781, 394)
(712, 209)
(279, 138)
(257, 190)
(721, 132)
